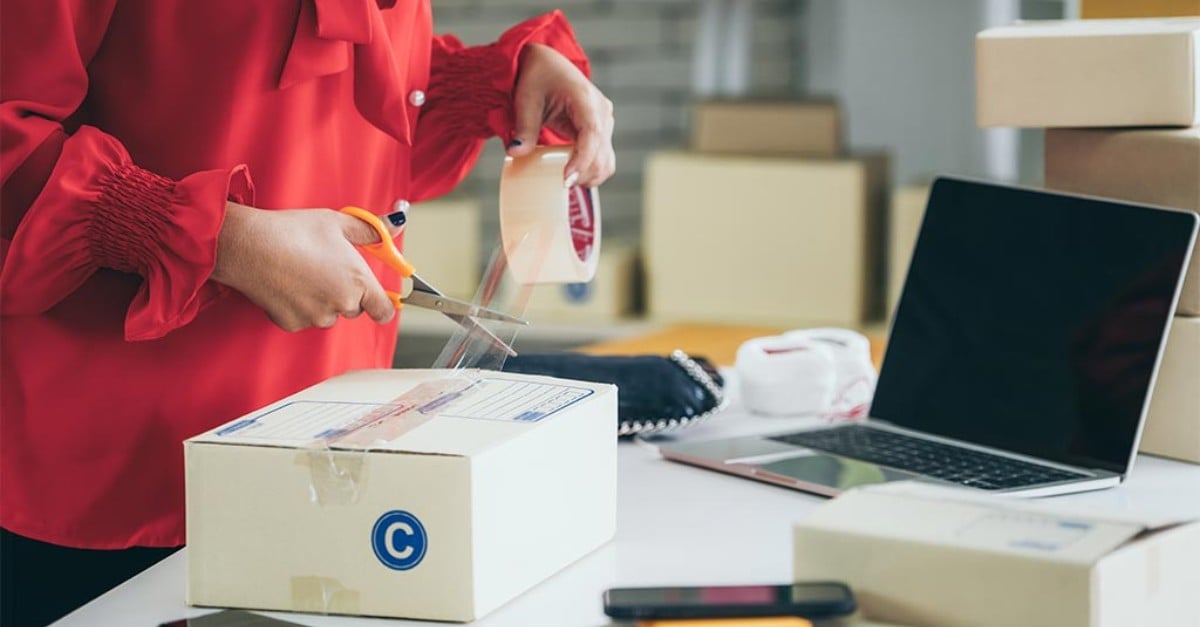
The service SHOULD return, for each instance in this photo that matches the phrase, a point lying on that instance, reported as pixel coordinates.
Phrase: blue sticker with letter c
(399, 540)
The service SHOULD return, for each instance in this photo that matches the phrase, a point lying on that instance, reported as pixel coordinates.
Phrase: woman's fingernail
(571, 180)
(399, 214)
(515, 143)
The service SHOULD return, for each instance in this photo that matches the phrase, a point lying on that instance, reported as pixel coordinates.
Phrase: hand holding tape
(550, 232)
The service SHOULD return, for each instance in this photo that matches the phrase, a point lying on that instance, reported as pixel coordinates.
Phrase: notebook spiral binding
(658, 425)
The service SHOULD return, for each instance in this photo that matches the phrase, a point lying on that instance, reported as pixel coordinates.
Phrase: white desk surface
(676, 525)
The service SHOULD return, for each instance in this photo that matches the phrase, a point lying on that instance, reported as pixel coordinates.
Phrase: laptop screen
(1032, 322)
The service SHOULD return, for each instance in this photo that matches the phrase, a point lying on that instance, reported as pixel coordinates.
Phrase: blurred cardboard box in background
(1173, 423)
(777, 241)
(442, 239)
(767, 127)
(1089, 73)
(1152, 166)
(904, 223)
(610, 297)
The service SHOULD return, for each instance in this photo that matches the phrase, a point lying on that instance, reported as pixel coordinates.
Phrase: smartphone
(818, 599)
(230, 618)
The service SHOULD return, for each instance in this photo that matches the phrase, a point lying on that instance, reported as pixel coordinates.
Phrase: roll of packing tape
(786, 376)
(550, 233)
(852, 354)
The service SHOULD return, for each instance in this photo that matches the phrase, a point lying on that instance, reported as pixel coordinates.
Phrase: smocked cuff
(478, 82)
(166, 231)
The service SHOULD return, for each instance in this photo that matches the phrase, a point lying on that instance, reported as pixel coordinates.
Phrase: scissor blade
(471, 325)
(455, 307)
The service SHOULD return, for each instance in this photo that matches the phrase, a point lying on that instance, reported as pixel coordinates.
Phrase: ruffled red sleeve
(75, 203)
(470, 99)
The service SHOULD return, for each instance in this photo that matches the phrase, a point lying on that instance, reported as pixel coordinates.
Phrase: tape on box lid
(454, 413)
(447, 413)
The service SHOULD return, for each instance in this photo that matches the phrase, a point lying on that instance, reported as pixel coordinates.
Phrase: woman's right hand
(300, 265)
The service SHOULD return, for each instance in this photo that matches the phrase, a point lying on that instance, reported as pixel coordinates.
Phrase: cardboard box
(1142, 72)
(442, 239)
(1152, 166)
(938, 557)
(767, 127)
(609, 297)
(1173, 424)
(448, 503)
(907, 212)
(788, 242)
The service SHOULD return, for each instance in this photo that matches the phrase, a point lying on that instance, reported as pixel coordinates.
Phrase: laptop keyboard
(934, 459)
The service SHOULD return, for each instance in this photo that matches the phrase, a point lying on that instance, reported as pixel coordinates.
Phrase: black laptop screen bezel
(1027, 207)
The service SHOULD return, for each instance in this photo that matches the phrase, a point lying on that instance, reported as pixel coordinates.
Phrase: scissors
(424, 295)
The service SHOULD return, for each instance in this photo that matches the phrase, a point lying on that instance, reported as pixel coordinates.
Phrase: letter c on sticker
(390, 542)
(399, 540)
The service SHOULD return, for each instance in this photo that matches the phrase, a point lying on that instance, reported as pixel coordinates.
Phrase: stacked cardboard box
(765, 220)
(610, 297)
(908, 211)
(442, 238)
(1136, 84)
(767, 127)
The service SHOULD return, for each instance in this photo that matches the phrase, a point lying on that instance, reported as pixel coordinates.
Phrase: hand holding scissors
(420, 293)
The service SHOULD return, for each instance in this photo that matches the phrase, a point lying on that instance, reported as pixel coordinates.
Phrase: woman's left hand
(552, 92)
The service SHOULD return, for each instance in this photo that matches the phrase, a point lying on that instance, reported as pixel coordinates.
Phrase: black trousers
(40, 582)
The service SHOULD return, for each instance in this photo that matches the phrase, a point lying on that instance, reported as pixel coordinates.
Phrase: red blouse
(126, 126)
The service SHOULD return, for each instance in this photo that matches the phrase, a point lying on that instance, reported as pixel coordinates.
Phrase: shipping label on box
(1136, 72)
(1173, 422)
(767, 127)
(772, 241)
(920, 555)
(406, 493)
(1152, 166)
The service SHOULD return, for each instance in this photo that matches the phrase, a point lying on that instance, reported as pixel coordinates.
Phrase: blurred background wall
(903, 71)
(812, 239)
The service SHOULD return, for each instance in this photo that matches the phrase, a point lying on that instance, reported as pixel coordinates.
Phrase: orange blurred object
(1092, 9)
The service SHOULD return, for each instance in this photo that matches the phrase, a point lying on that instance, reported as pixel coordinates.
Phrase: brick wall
(641, 53)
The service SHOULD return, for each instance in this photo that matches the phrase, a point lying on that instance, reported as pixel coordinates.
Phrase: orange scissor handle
(385, 249)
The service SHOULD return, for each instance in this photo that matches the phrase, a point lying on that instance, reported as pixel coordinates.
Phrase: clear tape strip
(337, 462)
(471, 348)
(323, 595)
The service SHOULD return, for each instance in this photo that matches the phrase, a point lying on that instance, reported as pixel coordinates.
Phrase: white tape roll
(807, 372)
(550, 234)
(852, 354)
(786, 376)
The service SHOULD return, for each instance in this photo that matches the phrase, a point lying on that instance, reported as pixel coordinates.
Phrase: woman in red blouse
(161, 161)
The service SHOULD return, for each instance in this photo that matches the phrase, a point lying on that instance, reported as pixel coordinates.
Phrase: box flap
(1094, 28)
(959, 518)
(441, 412)
(1119, 511)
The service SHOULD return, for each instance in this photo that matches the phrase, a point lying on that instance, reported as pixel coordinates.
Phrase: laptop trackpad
(836, 472)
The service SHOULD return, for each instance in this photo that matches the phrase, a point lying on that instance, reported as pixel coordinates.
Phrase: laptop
(1021, 358)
